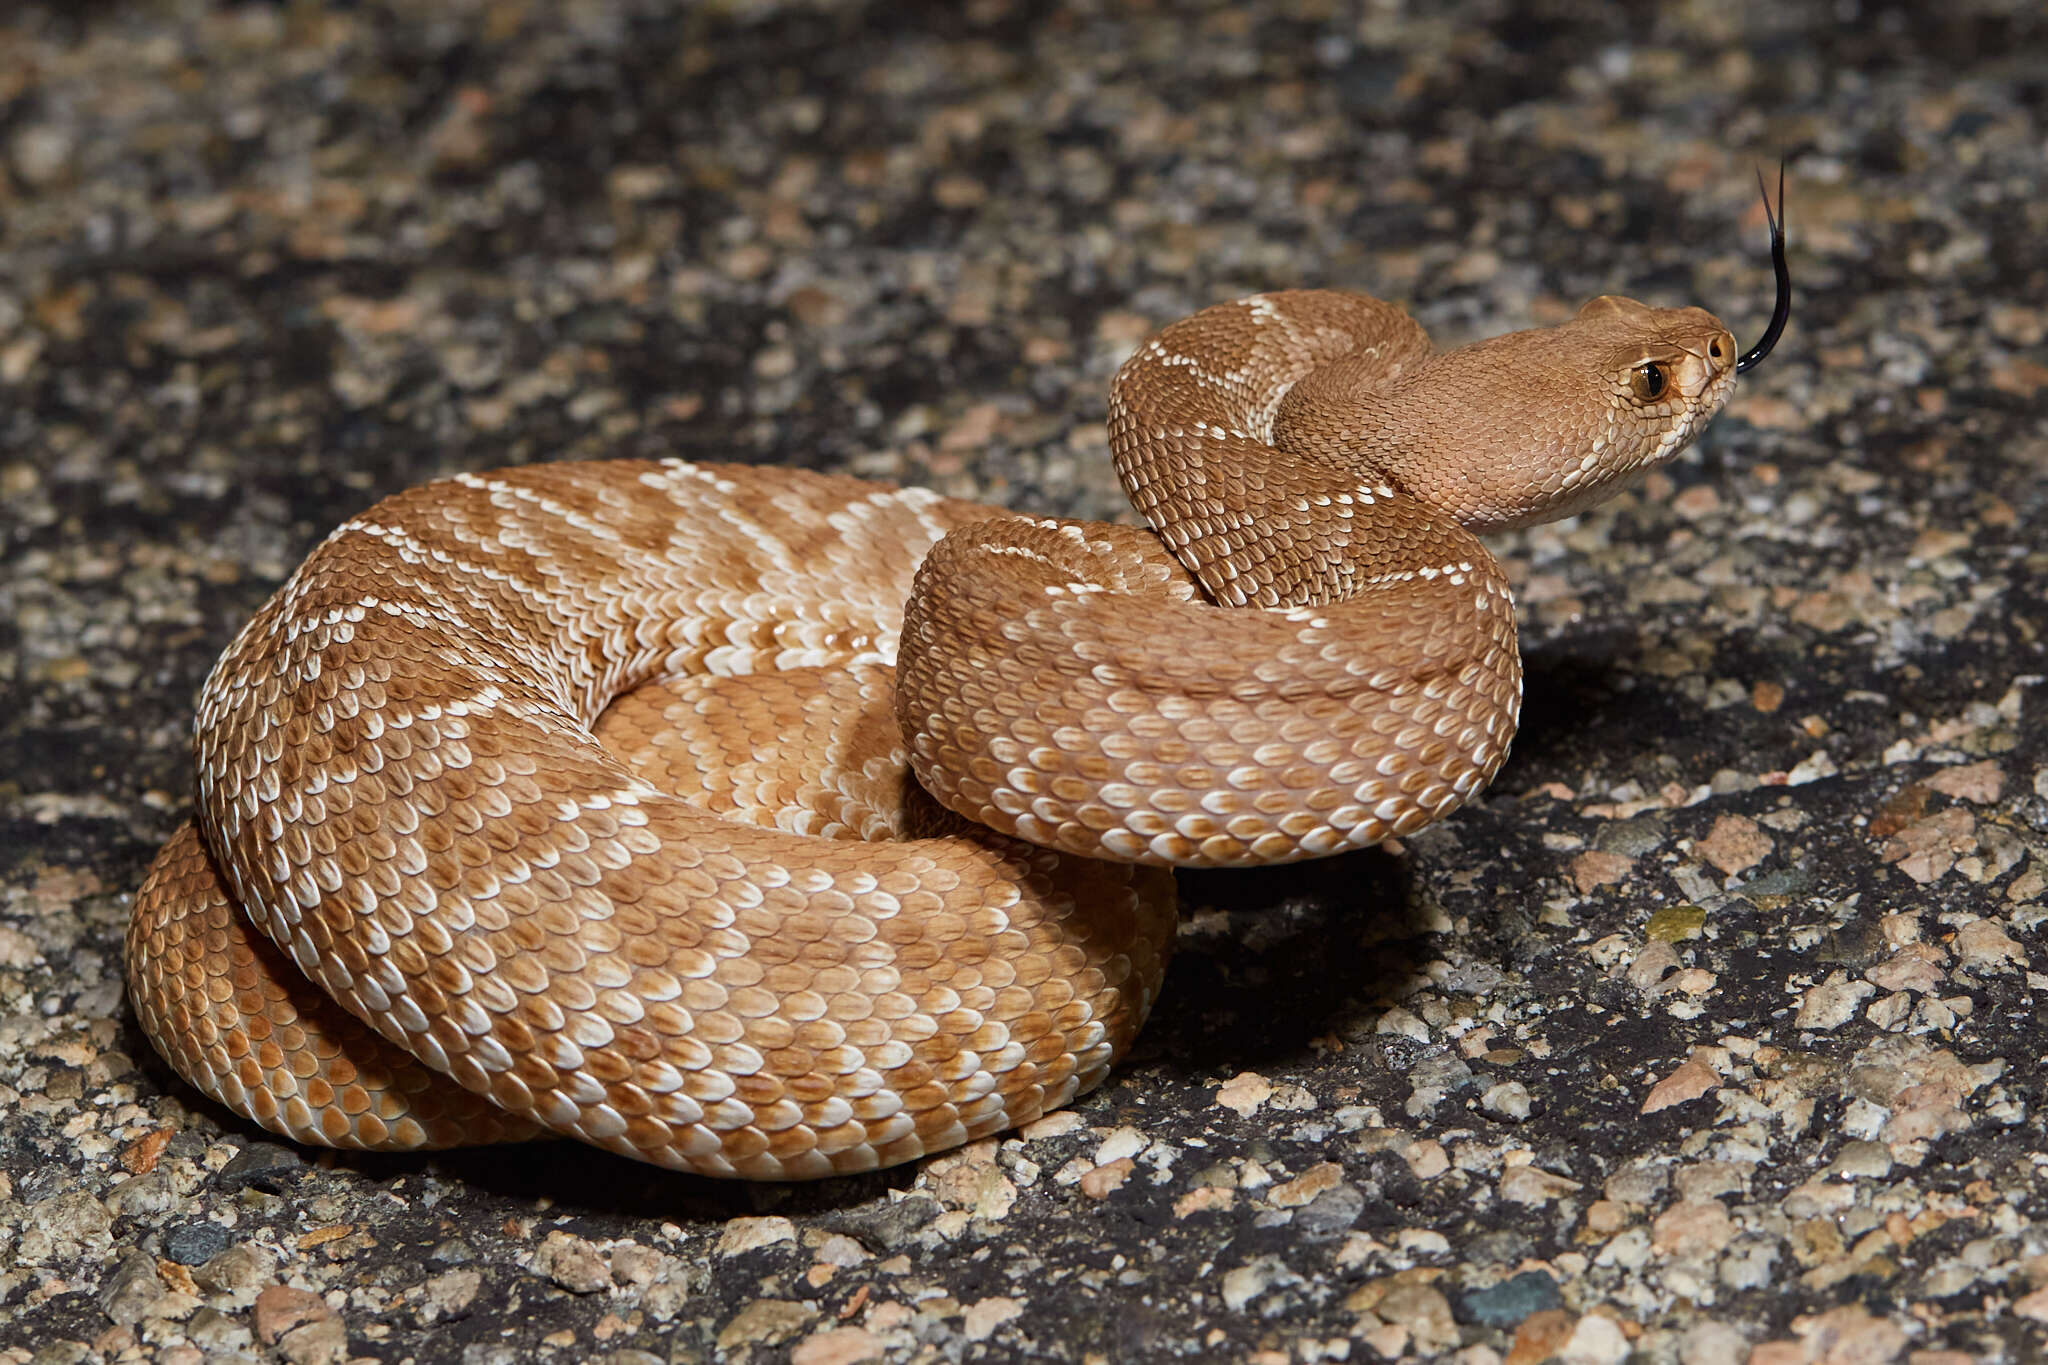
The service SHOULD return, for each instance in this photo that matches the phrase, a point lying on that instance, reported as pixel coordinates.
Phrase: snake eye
(1647, 380)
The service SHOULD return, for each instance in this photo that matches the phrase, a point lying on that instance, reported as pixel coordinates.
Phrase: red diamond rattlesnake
(583, 784)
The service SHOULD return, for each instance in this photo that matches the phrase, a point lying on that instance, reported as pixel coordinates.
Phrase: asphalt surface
(1711, 1035)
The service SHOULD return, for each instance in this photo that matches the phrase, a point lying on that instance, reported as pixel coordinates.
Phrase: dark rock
(263, 1166)
(1785, 881)
(1330, 1213)
(196, 1242)
(1858, 943)
(1507, 1303)
(1630, 838)
(885, 1227)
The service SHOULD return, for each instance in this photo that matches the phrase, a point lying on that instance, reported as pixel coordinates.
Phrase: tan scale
(579, 784)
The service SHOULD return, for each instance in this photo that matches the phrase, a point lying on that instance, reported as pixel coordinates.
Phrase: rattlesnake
(584, 784)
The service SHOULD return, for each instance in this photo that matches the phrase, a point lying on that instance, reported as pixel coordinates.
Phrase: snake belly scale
(575, 798)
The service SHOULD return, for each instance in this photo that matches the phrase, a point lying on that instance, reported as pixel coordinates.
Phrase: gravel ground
(1711, 1035)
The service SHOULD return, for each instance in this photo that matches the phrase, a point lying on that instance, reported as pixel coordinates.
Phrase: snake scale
(576, 798)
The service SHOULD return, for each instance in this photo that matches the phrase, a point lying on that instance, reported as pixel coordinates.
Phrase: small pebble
(573, 1263)
(132, 1289)
(452, 1251)
(241, 1270)
(1509, 1100)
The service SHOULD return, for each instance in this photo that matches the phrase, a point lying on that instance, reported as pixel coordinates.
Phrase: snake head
(1537, 425)
(1659, 377)
(1647, 379)
(1620, 388)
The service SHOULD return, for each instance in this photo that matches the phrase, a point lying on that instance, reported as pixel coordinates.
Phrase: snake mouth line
(1782, 311)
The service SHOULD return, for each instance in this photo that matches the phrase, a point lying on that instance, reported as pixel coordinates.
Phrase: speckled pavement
(1709, 1036)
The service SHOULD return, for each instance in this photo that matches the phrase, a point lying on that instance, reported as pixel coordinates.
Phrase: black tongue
(1755, 354)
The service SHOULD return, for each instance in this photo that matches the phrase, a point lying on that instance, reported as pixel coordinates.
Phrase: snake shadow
(1270, 960)
(497, 1182)
(1588, 701)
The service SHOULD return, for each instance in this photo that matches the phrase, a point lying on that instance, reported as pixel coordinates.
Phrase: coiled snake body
(576, 794)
